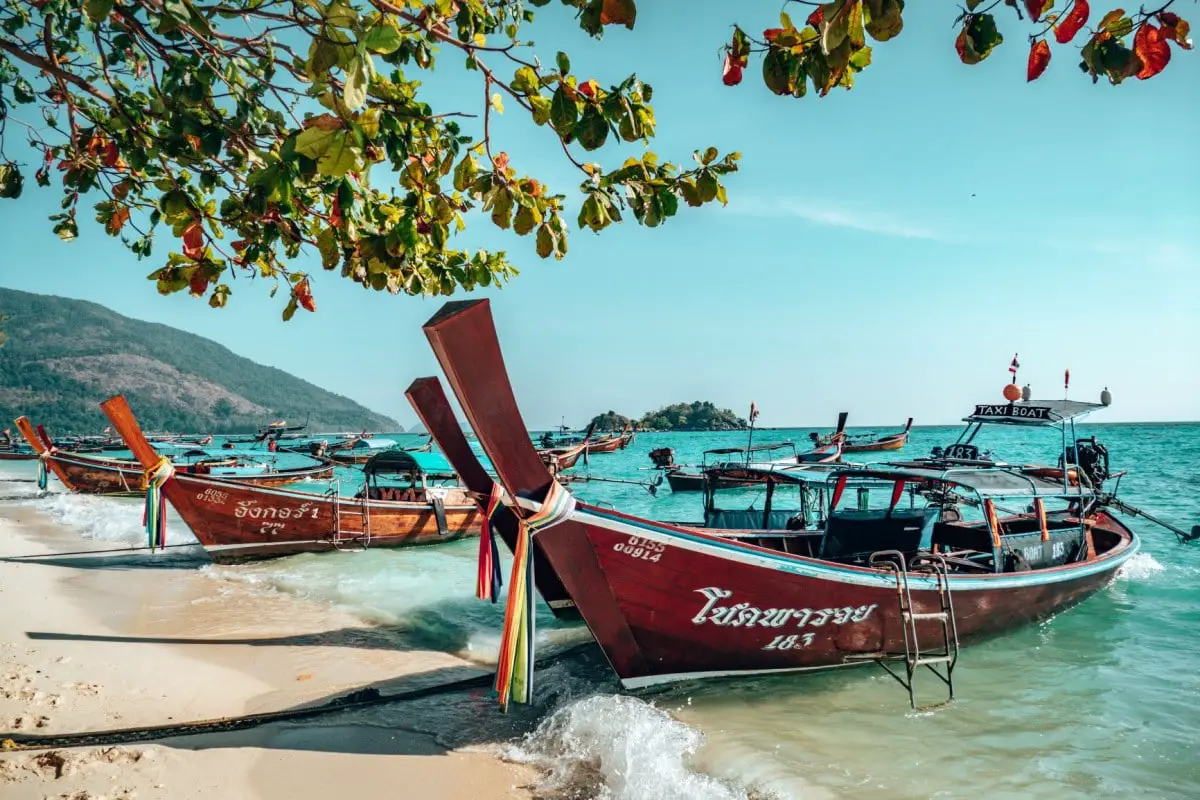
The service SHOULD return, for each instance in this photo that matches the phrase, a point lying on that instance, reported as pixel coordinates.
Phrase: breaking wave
(1142, 566)
(612, 747)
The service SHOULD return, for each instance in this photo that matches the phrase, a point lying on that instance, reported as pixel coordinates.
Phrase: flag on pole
(1014, 366)
(1067, 379)
(753, 412)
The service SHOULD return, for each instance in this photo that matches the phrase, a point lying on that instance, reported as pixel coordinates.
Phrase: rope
(487, 580)
(155, 515)
(514, 672)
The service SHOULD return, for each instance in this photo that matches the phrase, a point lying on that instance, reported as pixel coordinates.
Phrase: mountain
(64, 356)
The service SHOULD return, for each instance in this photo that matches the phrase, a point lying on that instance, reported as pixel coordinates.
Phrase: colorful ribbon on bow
(154, 517)
(488, 581)
(43, 477)
(514, 673)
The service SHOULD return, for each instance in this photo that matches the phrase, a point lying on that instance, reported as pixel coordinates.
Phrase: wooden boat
(611, 443)
(892, 441)
(238, 522)
(865, 442)
(668, 603)
(429, 400)
(725, 473)
(85, 474)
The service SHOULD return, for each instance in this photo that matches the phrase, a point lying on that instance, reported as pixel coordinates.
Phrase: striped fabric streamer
(154, 517)
(514, 672)
(488, 581)
(43, 477)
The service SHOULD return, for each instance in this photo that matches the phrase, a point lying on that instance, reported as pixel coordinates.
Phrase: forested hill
(64, 356)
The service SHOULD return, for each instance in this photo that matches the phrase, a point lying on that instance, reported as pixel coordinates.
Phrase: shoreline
(94, 644)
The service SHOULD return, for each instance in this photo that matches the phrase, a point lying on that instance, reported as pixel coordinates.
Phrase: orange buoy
(1012, 392)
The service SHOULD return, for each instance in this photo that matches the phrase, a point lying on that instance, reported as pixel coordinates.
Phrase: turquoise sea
(1103, 700)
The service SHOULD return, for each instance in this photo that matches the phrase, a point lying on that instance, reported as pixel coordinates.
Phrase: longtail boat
(892, 441)
(611, 443)
(85, 474)
(429, 400)
(237, 522)
(887, 585)
(726, 472)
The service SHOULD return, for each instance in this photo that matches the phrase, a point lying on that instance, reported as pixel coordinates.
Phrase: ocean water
(1103, 700)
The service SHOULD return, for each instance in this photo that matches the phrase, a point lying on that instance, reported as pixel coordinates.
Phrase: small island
(694, 416)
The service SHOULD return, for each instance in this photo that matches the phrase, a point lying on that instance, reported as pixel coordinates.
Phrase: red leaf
(770, 33)
(335, 213)
(304, 297)
(193, 240)
(1175, 29)
(1071, 24)
(588, 89)
(1036, 8)
(1039, 59)
(1152, 49)
(817, 17)
(960, 45)
(198, 285)
(501, 161)
(731, 75)
(111, 155)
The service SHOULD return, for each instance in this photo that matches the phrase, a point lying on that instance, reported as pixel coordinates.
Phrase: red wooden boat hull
(893, 441)
(17, 456)
(236, 522)
(667, 603)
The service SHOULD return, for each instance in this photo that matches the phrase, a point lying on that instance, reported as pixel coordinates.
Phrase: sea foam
(1142, 566)
(613, 747)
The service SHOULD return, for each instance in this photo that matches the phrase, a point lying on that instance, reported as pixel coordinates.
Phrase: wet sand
(90, 644)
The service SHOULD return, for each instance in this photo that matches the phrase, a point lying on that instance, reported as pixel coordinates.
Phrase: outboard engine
(1091, 458)
(663, 457)
(317, 448)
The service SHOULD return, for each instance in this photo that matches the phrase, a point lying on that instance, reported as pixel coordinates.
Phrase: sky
(885, 251)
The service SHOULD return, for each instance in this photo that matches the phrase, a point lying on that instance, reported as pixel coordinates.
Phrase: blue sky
(885, 250)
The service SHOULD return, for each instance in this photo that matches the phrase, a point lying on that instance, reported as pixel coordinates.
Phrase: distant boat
(86, 474)
(866, 442)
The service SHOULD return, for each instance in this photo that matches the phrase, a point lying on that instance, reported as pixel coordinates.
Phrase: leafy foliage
(830, 48)
(694, 416)
(247, 131)
(609, 421)
(46, 373)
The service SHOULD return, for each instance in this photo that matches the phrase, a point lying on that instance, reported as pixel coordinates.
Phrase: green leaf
(527, 218)
(502, 207)
(383, 39)
(545, 241)
(883, 18)
(1116, 23)
(11, 182)
(708, 186)
(563, 112)
(564, 63)
(290, 310)
(861, 58)
(709, 155)
(331, 255)
(340, 15)
(22, 91)
(592, 130)
(368, 120)
(854, 24)
(525, 81)
(464, 173)
(354, 94)
(341, 156)
(541, 109)
(314, 142)
(835, 24)
(98, 10)
(777, 71)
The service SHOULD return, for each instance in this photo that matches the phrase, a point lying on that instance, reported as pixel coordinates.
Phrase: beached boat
(86, 474)
(237, 522)
(668, 603)
(359, 450)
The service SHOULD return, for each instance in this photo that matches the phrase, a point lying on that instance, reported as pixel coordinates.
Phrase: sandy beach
(88, 644)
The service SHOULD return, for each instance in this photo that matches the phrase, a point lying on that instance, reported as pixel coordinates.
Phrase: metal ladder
(914, 658)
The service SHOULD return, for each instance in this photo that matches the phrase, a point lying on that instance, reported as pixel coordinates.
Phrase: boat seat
(855, 535)
(747, 520)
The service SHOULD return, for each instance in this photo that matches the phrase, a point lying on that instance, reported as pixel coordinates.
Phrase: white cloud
(835, 217)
